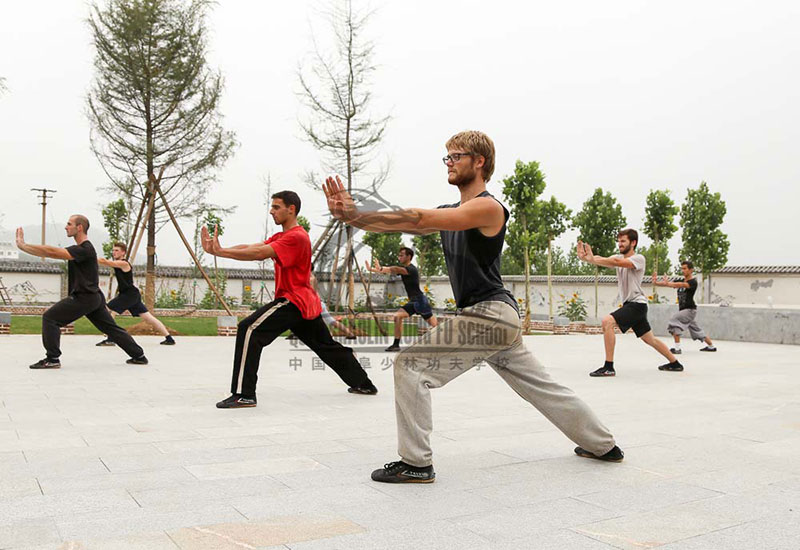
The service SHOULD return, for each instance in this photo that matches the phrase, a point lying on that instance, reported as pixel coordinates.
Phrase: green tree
(430, 255)
(521, 190)
(304, 223)
(115, 220)
(384, 246)
(154, 104)
(553, 220)
(657, 253)
(213, 223)
(659, 213)
(598, 223)
(704, 243)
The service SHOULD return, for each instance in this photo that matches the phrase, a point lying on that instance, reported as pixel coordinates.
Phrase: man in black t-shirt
(685, 318)
(417, 301)
(129, 298)
(84, 299)
(487, 328)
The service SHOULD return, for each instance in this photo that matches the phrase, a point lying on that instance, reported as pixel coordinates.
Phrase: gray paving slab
(103, 455)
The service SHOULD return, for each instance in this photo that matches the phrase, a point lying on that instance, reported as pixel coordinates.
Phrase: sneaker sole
(593, 457)
(240, 406)
(401, 481)
(670, 370)
(45, 368)
(593, 375)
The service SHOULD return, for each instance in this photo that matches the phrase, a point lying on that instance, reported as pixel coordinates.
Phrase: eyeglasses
(455, 157)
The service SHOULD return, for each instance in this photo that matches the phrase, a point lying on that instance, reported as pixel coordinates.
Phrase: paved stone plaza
(108, 456)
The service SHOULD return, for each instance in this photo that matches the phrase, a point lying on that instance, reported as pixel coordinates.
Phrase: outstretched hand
(340, 203)
(585, 252)
(20, 238)
(210, 244)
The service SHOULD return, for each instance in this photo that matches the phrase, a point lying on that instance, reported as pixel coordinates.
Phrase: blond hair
(478, 144)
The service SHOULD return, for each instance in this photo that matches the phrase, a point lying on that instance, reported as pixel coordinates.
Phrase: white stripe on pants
(250, 330)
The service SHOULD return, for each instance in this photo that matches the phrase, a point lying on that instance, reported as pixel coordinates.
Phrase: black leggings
(72, 308)
(266, 324)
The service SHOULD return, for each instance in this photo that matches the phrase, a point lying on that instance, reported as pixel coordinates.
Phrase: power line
(44, 198)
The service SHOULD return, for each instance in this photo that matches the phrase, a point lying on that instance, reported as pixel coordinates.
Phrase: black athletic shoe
(367, 388)
(46, 364)
(603, 371)
(138, 360)
(168, 341)
(400, 472)
(236, 401)
(105, 342)
(675, 367)
(351, 338)
(675, 351)
(393, 347)
(614, 455)
(709, 348)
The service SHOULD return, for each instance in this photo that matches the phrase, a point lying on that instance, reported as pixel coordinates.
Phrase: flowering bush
(573, 308)
(450, 304)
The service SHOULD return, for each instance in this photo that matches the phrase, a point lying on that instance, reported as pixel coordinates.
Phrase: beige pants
(491, 332)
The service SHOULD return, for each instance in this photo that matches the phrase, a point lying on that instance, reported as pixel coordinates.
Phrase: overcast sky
(623, 95)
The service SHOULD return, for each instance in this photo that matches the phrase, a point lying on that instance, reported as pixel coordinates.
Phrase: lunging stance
(85, 297)
(487, 329)
(633, 313)
(296, 307)
(129, 297)
(686, 317)
(417, 302)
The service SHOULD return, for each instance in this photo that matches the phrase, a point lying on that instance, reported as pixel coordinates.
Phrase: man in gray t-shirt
(630, 268)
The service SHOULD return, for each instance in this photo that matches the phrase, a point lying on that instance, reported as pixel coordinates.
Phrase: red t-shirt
(293, 270)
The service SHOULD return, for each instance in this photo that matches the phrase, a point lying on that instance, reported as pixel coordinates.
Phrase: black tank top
(473, 263)
(411, 281)
(125, 280)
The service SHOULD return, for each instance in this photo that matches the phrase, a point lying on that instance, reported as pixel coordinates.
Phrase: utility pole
(44, 198)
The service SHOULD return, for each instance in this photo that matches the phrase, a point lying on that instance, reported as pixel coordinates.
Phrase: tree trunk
(550, 275)
(150, 277)
(527, 322)
(655, 291)
(596, 282)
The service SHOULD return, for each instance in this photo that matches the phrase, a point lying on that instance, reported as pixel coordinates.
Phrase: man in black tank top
(487, 328)
(129, 297)
(417, 302)
(85, 298)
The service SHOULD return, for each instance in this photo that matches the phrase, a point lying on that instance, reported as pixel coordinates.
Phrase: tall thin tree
(154, 104)
(554, 219)
(659, 213)
(335, 87)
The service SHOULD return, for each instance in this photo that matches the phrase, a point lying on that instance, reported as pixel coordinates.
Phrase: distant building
(8, 251)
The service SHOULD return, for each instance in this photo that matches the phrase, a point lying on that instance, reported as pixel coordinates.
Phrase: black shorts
(632, 315)
(419, 305)
(128, 301)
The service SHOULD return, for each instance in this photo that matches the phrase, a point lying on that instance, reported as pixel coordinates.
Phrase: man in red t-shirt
(296, 307)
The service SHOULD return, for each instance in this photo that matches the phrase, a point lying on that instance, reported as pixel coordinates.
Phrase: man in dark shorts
(296, 307)
(85, 298)
(686, 317)
(633, 313)
(129, 297)
(417, 301)
(487, 328)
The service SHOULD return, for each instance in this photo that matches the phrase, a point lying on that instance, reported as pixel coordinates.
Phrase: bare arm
(41, 250)
(391, 269)
(585, 253)
(120, 264)
(667, 283)
(243, 252)
(416, 221)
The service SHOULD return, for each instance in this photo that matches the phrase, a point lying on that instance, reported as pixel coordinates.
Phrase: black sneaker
(709, 348)
(400, 472)
(676, 367)
(168, 341)
(46, 364)
(105, 342)
(137, 361)
(236, 401)
(614, 455)
(367, 388)
(352, 337)
(675, 351)
(604, 371)
(393, 347)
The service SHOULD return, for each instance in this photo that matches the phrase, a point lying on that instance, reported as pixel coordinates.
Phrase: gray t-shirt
(629, 281)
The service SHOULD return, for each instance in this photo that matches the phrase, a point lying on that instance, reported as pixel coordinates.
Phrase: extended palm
(210, 244)
(585, 252)
(340, 203)
(20, 237)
